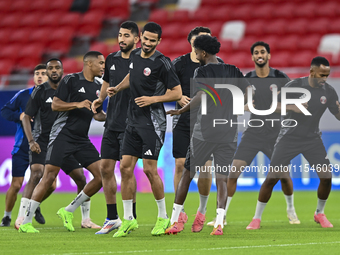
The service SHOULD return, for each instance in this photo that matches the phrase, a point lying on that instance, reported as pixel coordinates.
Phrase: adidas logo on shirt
(131, 66)
(148, 153)
(49, 100)
(113, 67)
(82, 90)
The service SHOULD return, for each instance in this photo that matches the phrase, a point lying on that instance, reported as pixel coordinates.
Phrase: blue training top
(11, 111)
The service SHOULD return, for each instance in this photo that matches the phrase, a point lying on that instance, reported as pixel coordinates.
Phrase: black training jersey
(308, 126)
(263, 99)
(75, 124)
(185, 69)
(39, 107)
(206, 77)
(149, 77)
(116, 68)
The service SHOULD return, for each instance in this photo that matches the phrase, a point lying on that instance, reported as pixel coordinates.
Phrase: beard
(149, 50)
(127, 48)
(263, 64)
(55, 81)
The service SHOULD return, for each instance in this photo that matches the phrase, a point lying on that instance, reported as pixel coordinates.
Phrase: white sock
(32, 207)
(175, 213)
(290, 202)
(128, 204)
(23, 206)
(259, 209)
(227, 206)
(9, 214)
(161, 208)
(219, 217)
(203, 204)
(81, 198)
(321, 206)
(85, 210)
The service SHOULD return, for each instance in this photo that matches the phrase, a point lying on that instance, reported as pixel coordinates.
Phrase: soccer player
(255, 139)
(207, 139)
(185, 66)
(14, 111)
(39, 108)
(304, 138)
(69, 136)
(116, 68)
(151, 74)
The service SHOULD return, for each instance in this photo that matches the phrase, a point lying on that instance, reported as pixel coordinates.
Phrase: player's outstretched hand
(85, 104)
(111, 91)
(144, 101)
(96, 103)
(35, 147)
(183, 101)
(173, 112)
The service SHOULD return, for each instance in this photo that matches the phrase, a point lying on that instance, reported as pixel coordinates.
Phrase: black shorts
(199, 153)
(68, 165)
(20, 163)
(251, 144)
(111, 145)
(142, 142)
(180, 142)
(83, 151)
(286, 149)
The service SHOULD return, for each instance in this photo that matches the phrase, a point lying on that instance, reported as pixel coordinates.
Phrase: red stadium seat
(202, 14)
(334, 26)
(276, 27)
(5, 33)
(165, 46)
(180, 47)
(309, 42)
(271, 40)
(4, 7)
(62, 36)
(159, 16)
(320, 26)
(30, 20)
(284, 10)
(28, 62)
(10, 21)
(302, 59)
(6, 67)
(92, 17)
(221, 14)
(101, 47)
(242, 13)
(10, 51)
(39, 6)
(255, 27)
(40, 35)
(59, 47)
(298, 26)
(98, 5)
(264, 11)
(215, 27)
(239, 60)
(60, 5)
(71, 65)
(20, 35)
(288, 43)
(226, 46)
(90, 30)
(19, 6)
(306, 10)
(329, 9)
(171, 30)
(71, 19)
(50, 20)
(31, 51)
(118, 9)
(280, 59)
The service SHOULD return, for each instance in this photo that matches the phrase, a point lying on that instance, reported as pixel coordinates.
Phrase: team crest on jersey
(272, 87)
(323, 100)
(97, 93)
(147, 71)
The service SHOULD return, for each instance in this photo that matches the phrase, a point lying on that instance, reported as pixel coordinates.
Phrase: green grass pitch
(276, 235)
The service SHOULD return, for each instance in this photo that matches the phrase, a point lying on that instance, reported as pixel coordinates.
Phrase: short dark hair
(132, 26)
(54, 59)
(39, 67)
(259, 43)
(207, 43)
(318, 61)
(153, 27)
(196, 31)
(92, 54)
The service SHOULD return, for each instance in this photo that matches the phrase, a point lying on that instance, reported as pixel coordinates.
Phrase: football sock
(9, 214)
(81, 198)
(23, 206)
(161, 208)
(134, 210)
(259, 209)
(85, 210)
(175, 213)
(32, 207)
(203, 204)
(290, 202)
(321, 206)
(127, 204)
(219, 217)
(227, 205)
(112, 211)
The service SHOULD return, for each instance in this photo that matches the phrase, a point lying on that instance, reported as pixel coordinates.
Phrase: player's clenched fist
(85, 104)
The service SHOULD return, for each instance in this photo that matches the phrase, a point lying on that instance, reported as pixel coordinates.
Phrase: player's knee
(150, 173)
(36, 176)
(326, 181)
(271, 182)
(16, 186)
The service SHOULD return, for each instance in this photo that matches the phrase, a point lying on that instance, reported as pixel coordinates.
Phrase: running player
(255, 139)
(151, 74)
(185, 66)
(116, 68)
(207, 139)
(69, 136)
(39, 108)
(304, 138)
(14, 111)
